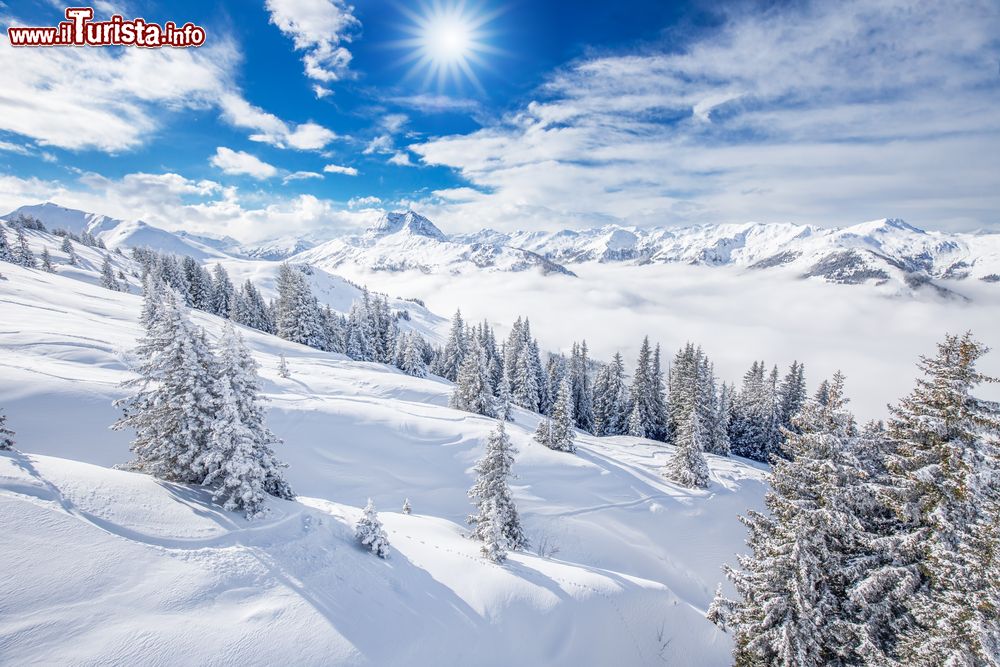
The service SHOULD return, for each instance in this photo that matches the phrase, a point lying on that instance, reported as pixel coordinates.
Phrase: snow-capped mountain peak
(410, 222)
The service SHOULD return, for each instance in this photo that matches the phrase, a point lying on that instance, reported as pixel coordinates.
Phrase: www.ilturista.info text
(80, 30)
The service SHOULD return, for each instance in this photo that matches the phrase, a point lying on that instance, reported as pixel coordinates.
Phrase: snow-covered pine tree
(942, 486)
(720, 439)
(360, 339)
(172, 275)
(22, 253)
(108, 280)
(791, 395)
(283, 371)
(250, 310)
(223, 293)
(524, 383)
(611, 411)
(496, 521)
(369, 532)
(472, 388)
(47, 261)
(298, 317)
(173, 404)
(556, 432)
(407, 508)
(641, 418)
(583, 407)
(199, 284)
(504, 407)
(6, 252)
(687, 465)
(6, 434)
(239, 459)
(793, 608)
(658, 410)
(752, 426)
(455, 349)
(413, 356)
(66, 247)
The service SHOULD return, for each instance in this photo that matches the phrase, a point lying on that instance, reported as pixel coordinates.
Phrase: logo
(79, 29)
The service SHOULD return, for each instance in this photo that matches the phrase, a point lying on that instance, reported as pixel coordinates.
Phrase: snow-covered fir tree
(791, 395)
(794, 606)
(455, 349)
(6, 434)
(583, 408)
(199, 284)
(942, 485)
(660, 420)
(250, 310)
(611, 404)
(720, 438)
(407, 508)
(642, 417)
(108, 279)
(47, 261)
(298, 318)
(369, 532)
(6, 252)
(753, 428)
(504, 407)
(21, 252)
(223, 293)
(410, 358)
(472, 388)
(171, 409)
(687, 465)
(556, 432)
(240, 458)
(496, 521)
(66, 247)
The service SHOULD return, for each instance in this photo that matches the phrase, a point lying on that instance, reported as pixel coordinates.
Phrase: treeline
(881, 544)
(656, 403)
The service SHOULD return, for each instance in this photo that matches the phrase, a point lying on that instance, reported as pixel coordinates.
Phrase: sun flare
(447, 42)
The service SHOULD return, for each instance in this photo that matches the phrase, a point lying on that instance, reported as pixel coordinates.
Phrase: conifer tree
(66, 247)
(659, 420)
(22, 253)
(6, 434)
(642, 416)
(583, 408)
(283, 371)
(504, 408)
(687, 466)
(407, 508)
(298, 318)
(472, 389)
(556, 432)
(496, 522)
(108, 279)
(173, 404)
(6, 252)
(223, 293)
(455, 349)
(47, 261)
(411, 359)
(942, 485)
(794, 605)
(611, 411)
(199, 284)
(369, 532)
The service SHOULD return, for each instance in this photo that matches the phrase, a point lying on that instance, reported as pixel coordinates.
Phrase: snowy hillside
(104, 566)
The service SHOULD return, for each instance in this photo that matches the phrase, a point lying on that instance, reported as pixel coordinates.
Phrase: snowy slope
(103, 566)
(408, 241)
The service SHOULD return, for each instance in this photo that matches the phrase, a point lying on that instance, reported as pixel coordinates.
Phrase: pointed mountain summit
(405, 221)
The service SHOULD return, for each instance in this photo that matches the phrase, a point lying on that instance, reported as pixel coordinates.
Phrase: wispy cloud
(339, 169)
(301, 176)
(428, 103)
(812, 112)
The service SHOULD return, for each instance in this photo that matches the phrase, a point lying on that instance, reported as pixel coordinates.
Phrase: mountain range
(878, 252)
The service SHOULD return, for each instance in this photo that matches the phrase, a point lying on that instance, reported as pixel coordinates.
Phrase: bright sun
(446, 42)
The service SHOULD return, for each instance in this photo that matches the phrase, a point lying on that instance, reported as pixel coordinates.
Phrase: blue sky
(312, 116)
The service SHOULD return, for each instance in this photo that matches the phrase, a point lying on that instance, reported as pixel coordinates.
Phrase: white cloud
(435, 103)
(173, 202)
(338, 169)
(401, 159)
(815, 113)
(270, 129)
(363, 202)
(380, 144)
(301, 176)
(319, 28)
(241, 163)
(9, 147)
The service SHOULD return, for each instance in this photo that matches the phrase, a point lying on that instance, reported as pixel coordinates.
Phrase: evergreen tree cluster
(196, 411)
(880, 545)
